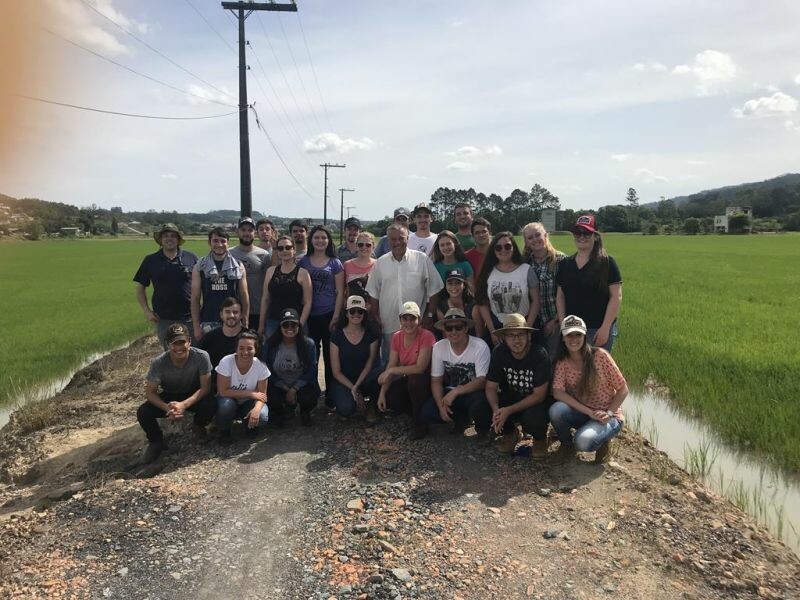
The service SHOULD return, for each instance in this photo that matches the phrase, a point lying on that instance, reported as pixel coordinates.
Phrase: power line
(151, 48)
(123, 114)
(219, 35)
(300, 77)
(278, 154)
(314, 72)
(134, 71)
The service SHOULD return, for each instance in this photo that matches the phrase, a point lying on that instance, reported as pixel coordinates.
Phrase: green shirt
(466, 241)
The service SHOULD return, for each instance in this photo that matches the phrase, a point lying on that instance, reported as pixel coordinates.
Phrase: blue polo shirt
(172, 283)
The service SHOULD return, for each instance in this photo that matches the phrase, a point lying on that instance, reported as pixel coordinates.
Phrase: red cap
(586, 222)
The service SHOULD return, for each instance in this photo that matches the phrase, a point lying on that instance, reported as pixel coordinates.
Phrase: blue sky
(585, 98)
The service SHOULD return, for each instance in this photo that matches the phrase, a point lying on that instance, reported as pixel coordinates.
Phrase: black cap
(400, 212)
(352, 222)
(455, 273)
(247, 221)
(290, 316)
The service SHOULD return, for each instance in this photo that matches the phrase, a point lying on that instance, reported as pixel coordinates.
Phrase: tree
(613, 218)
(738, 223)
(691, 226)
(114, 226)
(666, 210)
(632, 198)
(33, 230)
(541, 197)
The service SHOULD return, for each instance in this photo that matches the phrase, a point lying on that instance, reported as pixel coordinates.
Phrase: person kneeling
(516, 389)
(589, 389)
(292, 361)
(177, 380)
(459, 364)
(242, 388)
(354, 348)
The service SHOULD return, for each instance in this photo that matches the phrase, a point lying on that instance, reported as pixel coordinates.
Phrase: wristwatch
(610, 413)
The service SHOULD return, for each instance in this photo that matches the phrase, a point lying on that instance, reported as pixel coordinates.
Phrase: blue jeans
(612, 336)
(228, 410)
(343, 399)
(589, 434)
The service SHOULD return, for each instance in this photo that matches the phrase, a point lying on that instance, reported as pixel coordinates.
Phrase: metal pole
(327, 166)
(341, 214)
(244, 130)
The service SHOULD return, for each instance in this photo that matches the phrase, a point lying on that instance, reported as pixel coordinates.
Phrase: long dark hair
(300, 342)
(459, 251)
(597, 267)
(589, 377)
(442, 296)
(490, 262)
(330, 250)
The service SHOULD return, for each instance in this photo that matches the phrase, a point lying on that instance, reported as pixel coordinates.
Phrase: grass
(714, 318)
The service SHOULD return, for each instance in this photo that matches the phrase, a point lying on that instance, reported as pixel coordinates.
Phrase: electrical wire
(278, 154)
(151, 48)
(134, 71)
(297, 69)
(219, 35)
(123, 114)
(314, 72)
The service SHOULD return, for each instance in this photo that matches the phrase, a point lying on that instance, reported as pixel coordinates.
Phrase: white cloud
(791, 125)
(711, 68)
(207, 95)
(416, 177)
(648, 176)
(168, 176)
(797, 79)
(76, 22)
(621, 157)
(455, 23)
(652, 66)
(475, 152)
(462, 166)
(778, 104)
(330, 142)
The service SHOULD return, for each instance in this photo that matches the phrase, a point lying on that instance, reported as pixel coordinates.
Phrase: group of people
(459, 327)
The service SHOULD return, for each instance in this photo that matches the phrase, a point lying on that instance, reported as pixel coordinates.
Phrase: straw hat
(515, 322)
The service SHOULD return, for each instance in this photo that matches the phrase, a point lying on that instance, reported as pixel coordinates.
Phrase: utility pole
(327, 166)
(348, 209)
(341, 213)
(242, 10)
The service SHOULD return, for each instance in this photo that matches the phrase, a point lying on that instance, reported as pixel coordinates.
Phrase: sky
(585, 98)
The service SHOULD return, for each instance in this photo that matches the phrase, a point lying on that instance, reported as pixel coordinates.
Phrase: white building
(721, 221)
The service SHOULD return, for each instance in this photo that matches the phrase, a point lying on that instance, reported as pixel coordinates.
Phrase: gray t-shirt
(287, 364)
(179, 380)
(256, 262)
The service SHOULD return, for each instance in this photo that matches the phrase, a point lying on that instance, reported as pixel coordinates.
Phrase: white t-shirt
(242, 381)
(423, 244)
(508, 292)
(463, 368)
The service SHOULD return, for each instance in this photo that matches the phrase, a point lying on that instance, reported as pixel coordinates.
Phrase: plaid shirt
(547, 287)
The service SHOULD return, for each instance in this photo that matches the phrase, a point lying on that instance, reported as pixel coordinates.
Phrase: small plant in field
(34, 416)
(699, 460)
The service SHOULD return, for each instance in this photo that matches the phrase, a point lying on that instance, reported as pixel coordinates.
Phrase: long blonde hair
(552, 254)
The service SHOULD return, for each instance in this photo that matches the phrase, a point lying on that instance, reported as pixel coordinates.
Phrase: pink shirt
(408, 356)
(609, 381)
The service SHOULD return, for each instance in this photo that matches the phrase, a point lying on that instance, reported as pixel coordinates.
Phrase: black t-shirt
(172, 283)
(582, 294)
(518, 377)
(218, 345)
(353, 358)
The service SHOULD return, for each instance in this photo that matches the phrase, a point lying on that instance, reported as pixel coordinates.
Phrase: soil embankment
(347, 511)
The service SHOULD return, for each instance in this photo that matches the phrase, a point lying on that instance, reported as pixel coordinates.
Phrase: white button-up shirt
(393, 282)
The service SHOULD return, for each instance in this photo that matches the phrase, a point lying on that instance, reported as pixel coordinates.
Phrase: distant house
(721, 221)
(69, 231)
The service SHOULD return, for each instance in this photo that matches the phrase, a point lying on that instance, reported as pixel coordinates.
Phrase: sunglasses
(283, 248)
(290, 325)
(583, 234)
(356, 311)
(364, 244)
(507, 246)
(452, 328)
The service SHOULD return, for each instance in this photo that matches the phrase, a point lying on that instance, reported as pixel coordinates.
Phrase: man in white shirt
(459, 365)
(423, 238)
(400, 276)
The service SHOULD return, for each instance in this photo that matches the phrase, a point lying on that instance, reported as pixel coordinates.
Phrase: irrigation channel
(771, 496)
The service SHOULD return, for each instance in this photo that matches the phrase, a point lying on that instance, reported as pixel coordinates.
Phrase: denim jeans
(343, 399)
(148, 414)
(534, 419)
(464, 407)
(612, 336)
(229, 410)
(589, 434)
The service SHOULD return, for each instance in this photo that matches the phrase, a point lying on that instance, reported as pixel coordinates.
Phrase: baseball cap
(422, 206)
(290, 316)
(455, 273)
(586, 222)
(572, 324)
(247, 221)
(352, 222)
(410, 308)
(401, 212)
(356, 302)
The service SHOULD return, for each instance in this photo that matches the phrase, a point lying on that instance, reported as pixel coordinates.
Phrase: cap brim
(577, 228)
(504, 330)
(440, 324)
(569, 330)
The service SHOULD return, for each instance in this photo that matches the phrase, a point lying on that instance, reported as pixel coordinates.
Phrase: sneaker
(506, 443)
(601, 453)
(459, 427)
(305, 418)
(539, 449)
(151, 453)
(483, 438)
(418, 431)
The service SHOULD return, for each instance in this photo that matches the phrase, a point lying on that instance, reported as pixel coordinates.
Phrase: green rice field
(714, 318)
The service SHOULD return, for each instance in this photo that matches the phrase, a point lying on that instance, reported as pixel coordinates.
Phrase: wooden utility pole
(242, 10)
(327, 166)
(341, 214)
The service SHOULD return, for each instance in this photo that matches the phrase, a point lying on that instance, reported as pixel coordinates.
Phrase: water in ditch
(770, 495)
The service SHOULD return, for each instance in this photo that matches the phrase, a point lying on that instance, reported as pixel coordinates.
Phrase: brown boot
(539, 449)
(506, 443)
